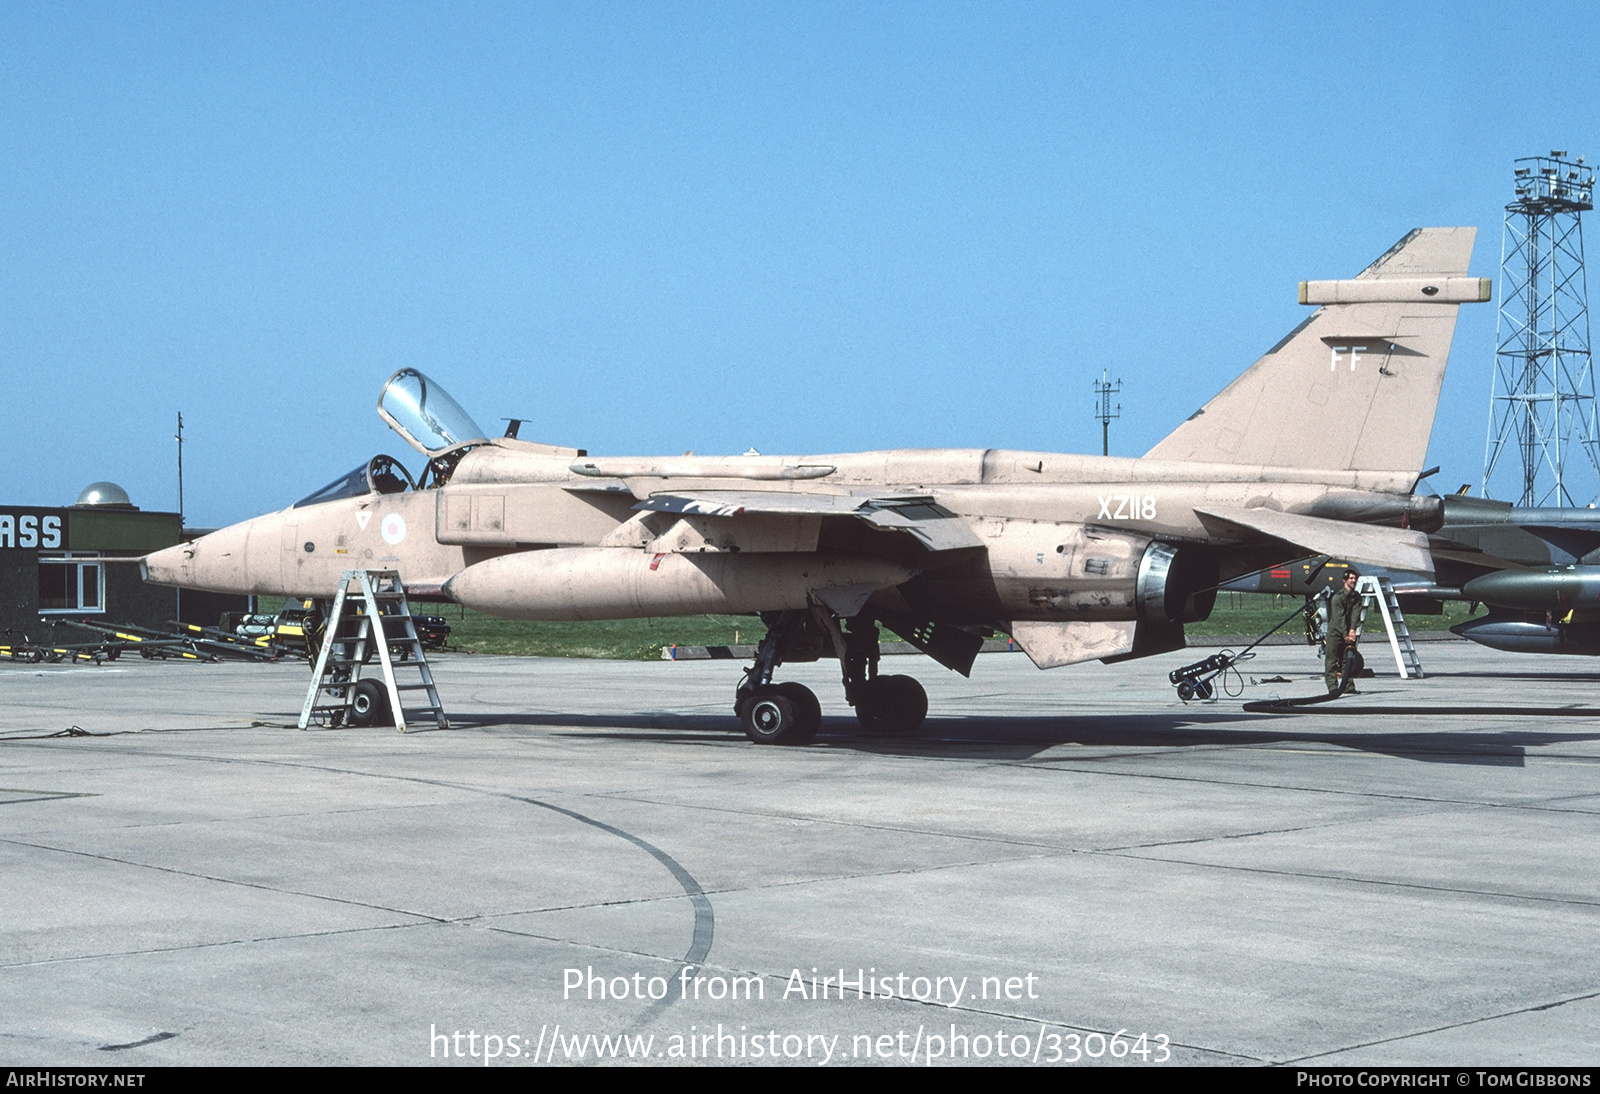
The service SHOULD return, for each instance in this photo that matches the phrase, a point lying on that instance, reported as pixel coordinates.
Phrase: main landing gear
(788, 713)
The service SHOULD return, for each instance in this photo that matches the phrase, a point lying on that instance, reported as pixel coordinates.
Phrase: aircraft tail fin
(1354, 386)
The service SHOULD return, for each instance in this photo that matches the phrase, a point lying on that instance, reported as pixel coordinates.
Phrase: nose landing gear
(781, 714)
(777, 714)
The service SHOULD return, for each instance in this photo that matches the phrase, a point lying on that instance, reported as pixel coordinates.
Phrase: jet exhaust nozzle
(1175, 584)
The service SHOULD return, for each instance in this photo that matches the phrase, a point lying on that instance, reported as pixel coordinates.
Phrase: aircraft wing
(1371, 544)
(930, 524)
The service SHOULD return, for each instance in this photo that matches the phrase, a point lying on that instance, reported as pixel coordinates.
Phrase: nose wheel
(369, 705)
(781, 714)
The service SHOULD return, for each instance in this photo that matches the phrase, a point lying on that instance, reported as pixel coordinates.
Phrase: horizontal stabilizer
(1444, 550)
(1575, 541)
(1367, 544)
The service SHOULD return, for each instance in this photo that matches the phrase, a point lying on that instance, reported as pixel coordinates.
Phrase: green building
(81, 562)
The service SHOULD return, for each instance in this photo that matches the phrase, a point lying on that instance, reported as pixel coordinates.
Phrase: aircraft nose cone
(168, 566)
(218, 562)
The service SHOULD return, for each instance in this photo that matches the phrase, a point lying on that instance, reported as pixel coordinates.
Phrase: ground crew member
(1344, 616)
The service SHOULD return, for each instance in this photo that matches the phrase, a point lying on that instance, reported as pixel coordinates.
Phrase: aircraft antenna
(1542, 402)
(180, 469)
(1104, 388)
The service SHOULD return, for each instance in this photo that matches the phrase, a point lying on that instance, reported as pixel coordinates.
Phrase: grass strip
(643, 639)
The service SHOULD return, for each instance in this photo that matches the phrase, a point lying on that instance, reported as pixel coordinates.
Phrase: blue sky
(658, 227)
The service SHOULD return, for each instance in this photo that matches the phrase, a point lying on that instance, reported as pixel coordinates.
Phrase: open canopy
(424, 414)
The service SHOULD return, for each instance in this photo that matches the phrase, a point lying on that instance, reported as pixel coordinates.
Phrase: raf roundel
(393, 529)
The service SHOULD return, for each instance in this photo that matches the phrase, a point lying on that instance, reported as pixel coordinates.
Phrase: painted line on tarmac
(1535, 1008)
(704, 916)
(1385, 883)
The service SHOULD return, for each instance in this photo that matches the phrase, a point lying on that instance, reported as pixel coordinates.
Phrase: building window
(71, 585)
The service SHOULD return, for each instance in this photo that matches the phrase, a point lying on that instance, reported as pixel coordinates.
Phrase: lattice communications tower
(1542, 406)
(1103, 390)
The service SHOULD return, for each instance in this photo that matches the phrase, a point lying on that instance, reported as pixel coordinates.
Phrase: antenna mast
(180, 470)
(1103, 390)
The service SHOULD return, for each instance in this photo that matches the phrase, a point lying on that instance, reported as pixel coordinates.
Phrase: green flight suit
(1344, 615)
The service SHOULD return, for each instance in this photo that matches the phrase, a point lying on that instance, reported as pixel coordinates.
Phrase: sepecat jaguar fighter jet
(1315, 449)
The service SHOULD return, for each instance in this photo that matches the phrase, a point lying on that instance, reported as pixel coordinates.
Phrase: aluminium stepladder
(362, 626)
(1379, 592)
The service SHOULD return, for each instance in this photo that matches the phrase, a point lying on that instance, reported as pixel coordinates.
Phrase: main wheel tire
(892, 704)
(369, 704)
(769, 718)
(910, 708)
(806, 708)
(871, 704)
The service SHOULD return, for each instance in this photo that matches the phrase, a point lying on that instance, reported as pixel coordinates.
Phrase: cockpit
(379, 475)
(430, 421)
